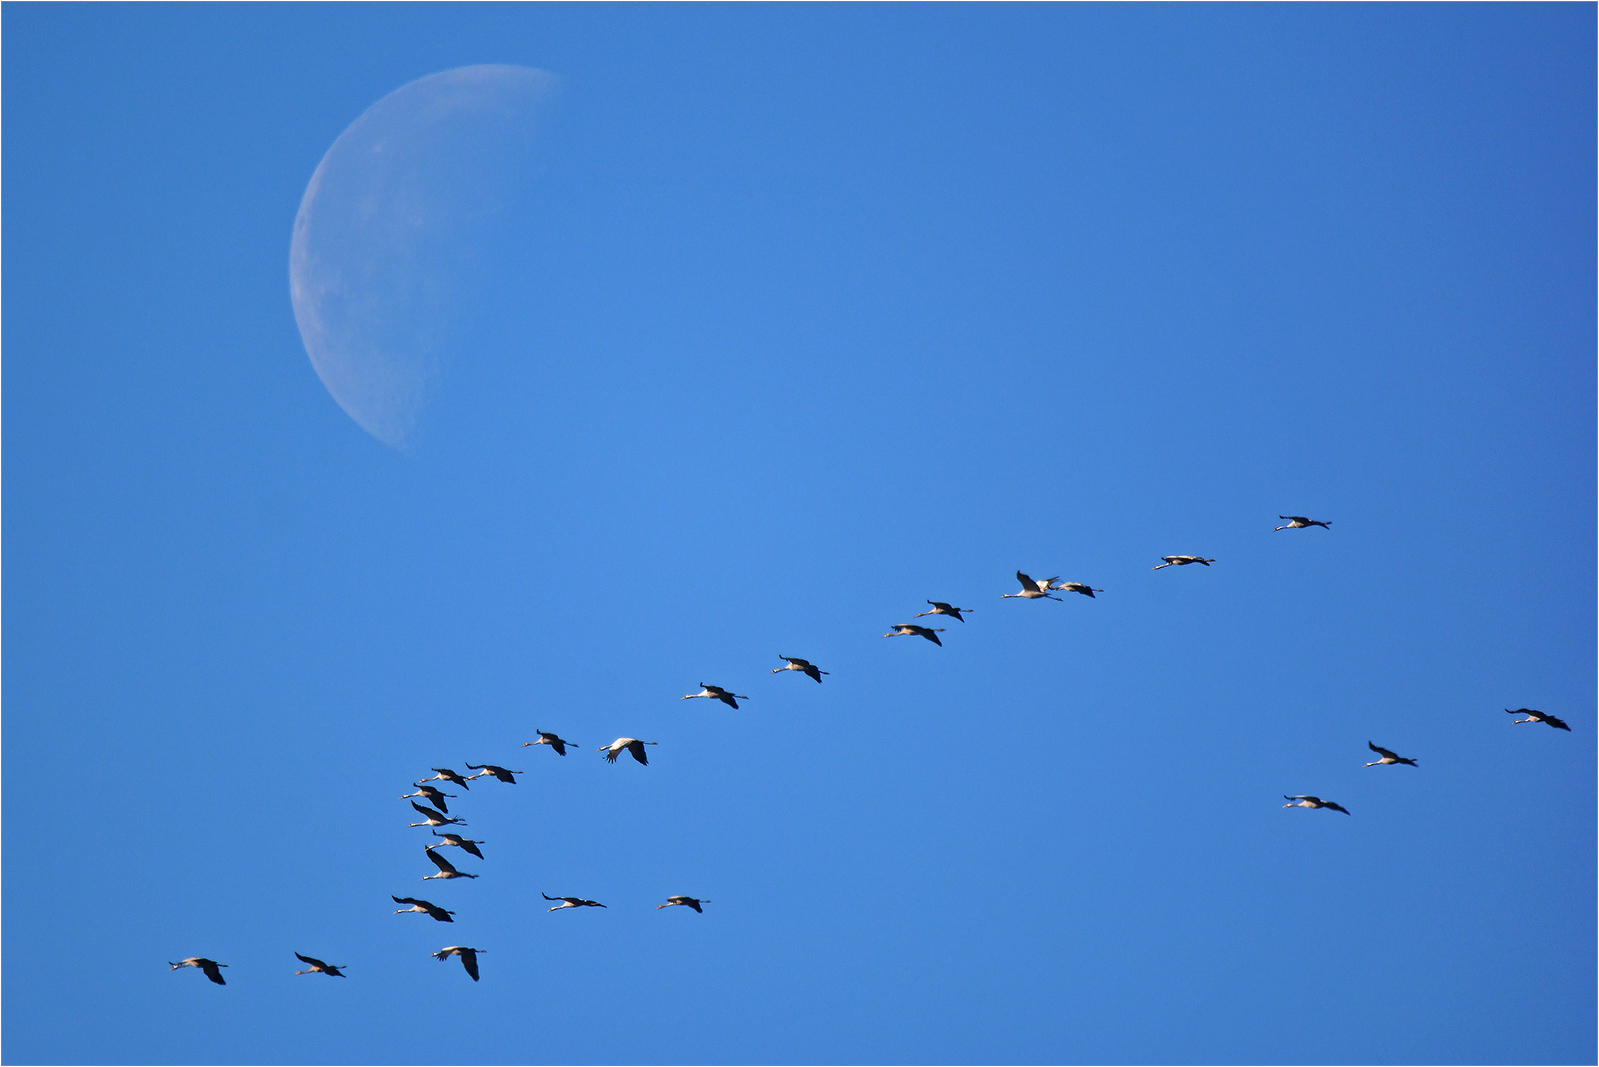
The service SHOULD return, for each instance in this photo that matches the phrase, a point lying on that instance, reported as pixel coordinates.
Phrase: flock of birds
(437, 814)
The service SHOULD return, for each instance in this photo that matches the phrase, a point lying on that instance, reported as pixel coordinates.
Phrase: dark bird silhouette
(433, 818)
(687, 902)
(446, 869)
(444, 774)
(632, 744)
(432, 796)
(906, 629)
(1299, 522)
(468, 957)
(1074, 587)
(1312, 802)
(1031, 590)
(794, 663)
(1387, 757)
(486, 769)
(1538, 716)
(316, 966)
(572, 902)
(551, 740)
(941, 608)
(716, 692)
(433, 911)
(209, 967)
(1181, 561)
(464, 843)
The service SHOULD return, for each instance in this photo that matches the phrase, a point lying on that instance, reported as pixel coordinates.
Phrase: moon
(392, 226)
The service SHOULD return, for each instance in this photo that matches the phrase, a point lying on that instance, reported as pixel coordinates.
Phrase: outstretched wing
(1381, 751)
(1027, 583)
(555, 743)
(637, 749)
(727, 698)
(469, 961)
(213, 971)
(1558, 724)
(308, 959)
(812, 673)
(439, 861)
(406, 900)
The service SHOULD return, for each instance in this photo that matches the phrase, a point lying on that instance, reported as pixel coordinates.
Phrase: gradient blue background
(822, 311)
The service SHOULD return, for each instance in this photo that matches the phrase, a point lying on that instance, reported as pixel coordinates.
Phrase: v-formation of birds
(436, 813)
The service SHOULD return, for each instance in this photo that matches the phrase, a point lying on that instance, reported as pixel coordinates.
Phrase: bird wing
(1558, 724)
(213, 971)
(1336, 807)
(931, 636)
(307, 959)
(637, 748)
(546, 896)
(727, 698)
(812, 672)
(428, 812)
(1381, 751)
(559, 746)
(1027, 583)
(440, 862)
(469, 961)
(406, 900)
(471, 846)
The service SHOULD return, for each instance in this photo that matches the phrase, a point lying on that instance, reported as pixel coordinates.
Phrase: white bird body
(716, 692)
(434, 818)
(446, 868)
(572, 902)
(433, 911)
(468, 957)
(794, 663)
(1181, 561)
(1311, 802)
(207, 967)
(1387, 756)
(687, 902)
(1071, 587)
(549, 739)
(1299, 522)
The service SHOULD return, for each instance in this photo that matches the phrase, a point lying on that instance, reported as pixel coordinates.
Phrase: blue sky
(815, 313)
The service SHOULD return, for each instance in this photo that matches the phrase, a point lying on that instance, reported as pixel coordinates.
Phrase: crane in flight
(907, 629)
(432, 911)
(446, 868)
(484, 770)
(468, 957)
(1387, 757)
(716, 692)
(1538, 716)
(571, 902)
(687, 902)
(444, 774)
(1031, 590)
(1299, 522)
(794, 663)
(433, 818)
(941, 608)
(316, 966)
(1071, 587)
(548, 739)
(465, 843)
(208, 967)
(632, 745)
(1181, 561)
(432, 795)
(1312, 802)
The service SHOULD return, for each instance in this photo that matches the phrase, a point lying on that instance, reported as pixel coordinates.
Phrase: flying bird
(1538, 716)
(486, 769)
(632, 744)
(205, 965)
(1312, 802)
(316, 966)
(444, 774)
(432, 796)
(468, 957)
(796, 664)
(687, 902)
(433, 911)
(716, 692)
(1031, 590)
(1299, 522)
(906, 629)
(446, 869)
(1071, 587)
(941, 608)
(571, 902)
(551, 740)
(460, 842)
(1387, 757)
(433, 818)
(1181, 561)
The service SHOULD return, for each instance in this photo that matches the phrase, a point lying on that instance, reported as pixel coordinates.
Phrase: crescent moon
(388, 222)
